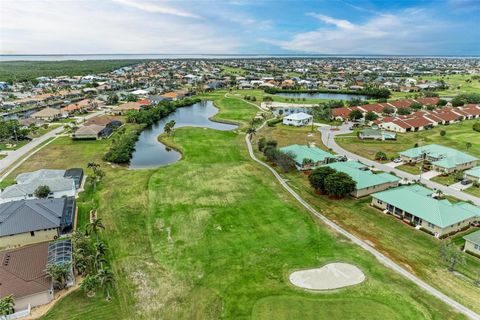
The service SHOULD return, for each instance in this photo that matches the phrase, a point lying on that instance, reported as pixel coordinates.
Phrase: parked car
(342, 158)
(465, 182)
(397, 160)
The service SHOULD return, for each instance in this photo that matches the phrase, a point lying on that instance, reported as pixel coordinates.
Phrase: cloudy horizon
(450, 27)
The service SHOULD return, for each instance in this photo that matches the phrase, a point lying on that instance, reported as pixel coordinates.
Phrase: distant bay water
(79, 57)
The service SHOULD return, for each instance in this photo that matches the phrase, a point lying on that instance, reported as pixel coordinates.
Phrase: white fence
(17, 315)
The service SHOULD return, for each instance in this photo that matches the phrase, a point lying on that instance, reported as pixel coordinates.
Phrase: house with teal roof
(308, 157)
(443, 159)
(367, 182)
(473, 174)
(472, 243)
(418, 206)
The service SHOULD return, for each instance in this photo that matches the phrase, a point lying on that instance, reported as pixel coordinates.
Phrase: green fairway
(215, 236)
(287, 307)
(457, 135)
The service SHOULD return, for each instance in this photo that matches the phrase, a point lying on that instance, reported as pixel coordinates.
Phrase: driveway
(393, 164)
(430, 174)
(460, 186)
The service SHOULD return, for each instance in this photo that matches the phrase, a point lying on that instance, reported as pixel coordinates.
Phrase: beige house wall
(34, 300)
(26, 238)
(380, 187)
(440, 231)
(470, 246)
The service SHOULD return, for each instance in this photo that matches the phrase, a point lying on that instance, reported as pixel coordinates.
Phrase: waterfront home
(367, 182)
(47, 114)
(297, 119)
(31, 221)
(417, 206)
(472, 243)
(442, 159)
(308, 157)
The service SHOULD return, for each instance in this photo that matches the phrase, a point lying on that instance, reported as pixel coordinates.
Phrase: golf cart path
(378, 255)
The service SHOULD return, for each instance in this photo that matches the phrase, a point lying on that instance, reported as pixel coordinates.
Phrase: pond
(150, 153)
(318, 95)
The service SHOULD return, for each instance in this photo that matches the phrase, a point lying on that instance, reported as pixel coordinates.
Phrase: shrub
(443, 133)
(476, 126)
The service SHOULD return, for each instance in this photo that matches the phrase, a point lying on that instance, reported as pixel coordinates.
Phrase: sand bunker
(330, 276)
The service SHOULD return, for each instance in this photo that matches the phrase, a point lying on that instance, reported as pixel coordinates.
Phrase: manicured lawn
(413, 169)
(84, 308)
(286, 135)
(215, 236)
(457, 136)
(445, 180)
(475, 191)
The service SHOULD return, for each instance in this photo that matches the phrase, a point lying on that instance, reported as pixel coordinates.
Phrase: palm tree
(59, 274)
(251, 132)
(94, 227)
(90, 285)
(106, 280)
(7, 305)
(98, 173)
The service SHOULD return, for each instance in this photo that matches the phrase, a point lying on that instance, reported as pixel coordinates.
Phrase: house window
(431, 225)
(32, 233)
(477, 247)
(379, 201)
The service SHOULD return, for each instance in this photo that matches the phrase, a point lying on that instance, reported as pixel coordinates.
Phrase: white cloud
(155, 7)
(410, 31)
(66, 27)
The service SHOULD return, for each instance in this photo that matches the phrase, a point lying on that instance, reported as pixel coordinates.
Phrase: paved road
(15, 155)
(380, 257)
(328, 139)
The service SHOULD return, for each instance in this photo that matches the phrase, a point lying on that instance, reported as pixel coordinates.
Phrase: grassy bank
(215, 236)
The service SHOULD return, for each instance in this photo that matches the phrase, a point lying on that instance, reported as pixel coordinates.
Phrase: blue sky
(429, 27)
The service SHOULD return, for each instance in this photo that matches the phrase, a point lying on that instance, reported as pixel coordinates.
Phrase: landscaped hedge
(123, 144)
(371, 92)
(273, 122)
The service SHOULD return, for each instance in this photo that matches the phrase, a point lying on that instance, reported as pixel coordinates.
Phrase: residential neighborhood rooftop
(302, 152)
(440, 155)
(418, 201)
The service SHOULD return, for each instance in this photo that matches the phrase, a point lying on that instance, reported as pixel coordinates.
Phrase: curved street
(380, 257)
(328, 139)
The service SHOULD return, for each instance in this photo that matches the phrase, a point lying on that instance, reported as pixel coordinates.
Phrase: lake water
(318, 95)
(150, 153)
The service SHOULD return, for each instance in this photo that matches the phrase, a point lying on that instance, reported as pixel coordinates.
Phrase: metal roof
(419, 202)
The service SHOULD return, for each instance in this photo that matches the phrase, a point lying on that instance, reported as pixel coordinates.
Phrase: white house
(298, 119)
(60, 186)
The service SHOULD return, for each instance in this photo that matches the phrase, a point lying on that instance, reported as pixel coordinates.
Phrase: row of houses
(414, 204)
(33, 234)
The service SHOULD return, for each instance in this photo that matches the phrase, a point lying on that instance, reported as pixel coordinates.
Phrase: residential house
(442, 159)
(472, 243)
(473, 174)
(298, 119)
(367, 182)
(23, 275)
(31, 221)
(417, 205)
(27, 183)
(47, 114)
(372, 134)
(285, 108)
(301, 153)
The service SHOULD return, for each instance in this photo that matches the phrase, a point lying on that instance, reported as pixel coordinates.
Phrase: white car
(397, 160)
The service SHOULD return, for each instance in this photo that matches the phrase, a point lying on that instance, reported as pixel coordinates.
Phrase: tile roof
(22, 271)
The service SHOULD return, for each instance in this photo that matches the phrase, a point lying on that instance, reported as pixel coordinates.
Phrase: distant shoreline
(66, 57)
